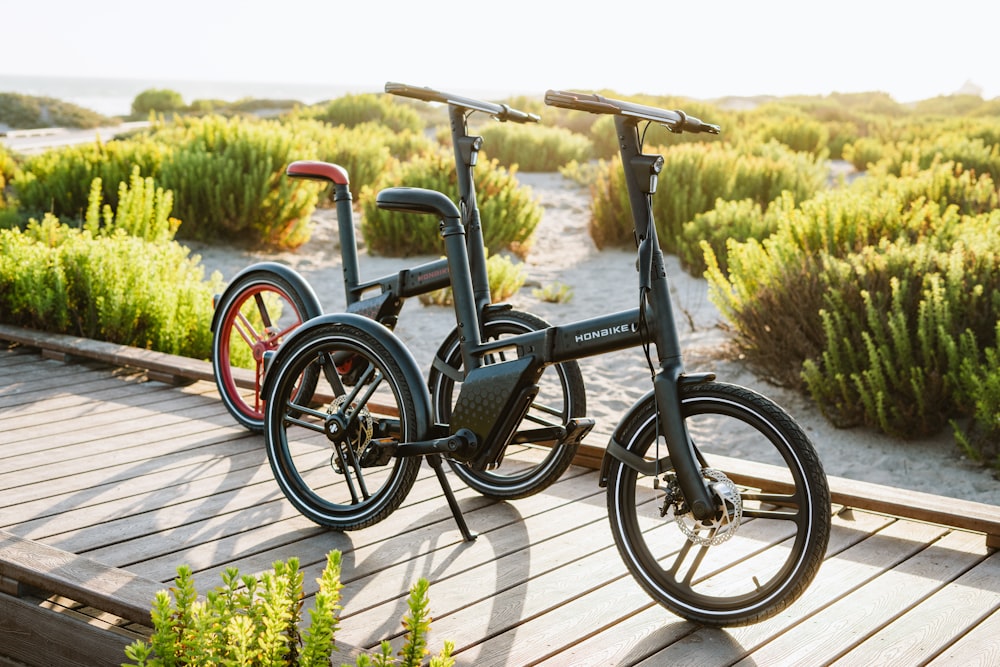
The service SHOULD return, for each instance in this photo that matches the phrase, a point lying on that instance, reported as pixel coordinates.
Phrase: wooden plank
(826, 635)
(845, 571)
(33, 635)
(904, 503)
(118, 355)
(82, 579)
(932, 625)
(978, 647)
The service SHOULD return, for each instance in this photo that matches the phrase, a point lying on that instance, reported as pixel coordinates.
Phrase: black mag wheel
(256, 315)
(333, 456)
(765, 544)
(538, 460)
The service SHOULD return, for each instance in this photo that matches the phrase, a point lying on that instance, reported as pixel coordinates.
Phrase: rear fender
(293, 278)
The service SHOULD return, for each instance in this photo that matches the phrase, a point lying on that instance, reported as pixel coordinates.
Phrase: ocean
(113, 97)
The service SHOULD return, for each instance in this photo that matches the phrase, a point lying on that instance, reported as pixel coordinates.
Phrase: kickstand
(456, 511)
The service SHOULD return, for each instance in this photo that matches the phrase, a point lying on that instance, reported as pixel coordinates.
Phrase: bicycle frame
(392, 289)
(652, 323)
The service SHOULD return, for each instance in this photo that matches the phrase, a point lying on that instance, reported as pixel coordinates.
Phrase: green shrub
(229, 184)
(27, 112)
(101, 283)
(729, 221)
(366, 150)
(892, 316)
(534, 147)
(351, 110)
(976, 378)
(59, 181)
(157, 100)
(796, 131)
(255, 620)
(557, 292)
(509, 215)
(143, 210)
(694, 177)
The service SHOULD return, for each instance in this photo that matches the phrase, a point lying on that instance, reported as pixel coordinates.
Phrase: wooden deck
(109, 481)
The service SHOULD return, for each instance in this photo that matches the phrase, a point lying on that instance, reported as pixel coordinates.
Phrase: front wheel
(334, 455)
(256, 314)
(561, 397)
(769, 535)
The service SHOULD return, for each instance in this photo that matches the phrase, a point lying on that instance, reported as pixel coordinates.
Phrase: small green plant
(256, 621)
(555, 293)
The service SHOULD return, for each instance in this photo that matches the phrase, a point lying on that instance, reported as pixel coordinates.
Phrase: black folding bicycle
(267, 301)
(717, 500)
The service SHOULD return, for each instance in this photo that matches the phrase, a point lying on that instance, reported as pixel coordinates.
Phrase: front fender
(616, 434)
(399, 352)
(288, 274)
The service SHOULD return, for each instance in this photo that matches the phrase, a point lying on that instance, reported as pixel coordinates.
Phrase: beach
(604, 282)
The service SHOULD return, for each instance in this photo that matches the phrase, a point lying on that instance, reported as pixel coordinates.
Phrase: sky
(704, 50)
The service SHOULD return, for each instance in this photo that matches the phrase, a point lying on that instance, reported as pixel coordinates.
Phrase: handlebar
(501, 112)
(675, 121)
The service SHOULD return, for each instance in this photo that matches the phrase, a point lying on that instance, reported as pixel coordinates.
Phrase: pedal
(577, 429)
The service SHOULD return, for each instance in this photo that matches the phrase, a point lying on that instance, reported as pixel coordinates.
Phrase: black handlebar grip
(517, 116)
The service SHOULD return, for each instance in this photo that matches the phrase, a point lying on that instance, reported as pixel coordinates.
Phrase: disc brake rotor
(726, 521)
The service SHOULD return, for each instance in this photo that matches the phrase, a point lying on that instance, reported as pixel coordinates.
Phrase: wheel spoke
(265, 317)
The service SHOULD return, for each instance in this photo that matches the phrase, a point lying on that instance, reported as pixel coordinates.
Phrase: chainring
(359, 435)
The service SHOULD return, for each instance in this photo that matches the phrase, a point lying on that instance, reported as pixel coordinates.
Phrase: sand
(606, 281)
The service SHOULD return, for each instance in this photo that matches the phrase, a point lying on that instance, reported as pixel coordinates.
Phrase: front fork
(683, 459)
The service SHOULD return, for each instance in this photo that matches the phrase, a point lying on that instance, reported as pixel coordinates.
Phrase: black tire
(777, 545)
(562, 396)
(349, 482)
(256, 314)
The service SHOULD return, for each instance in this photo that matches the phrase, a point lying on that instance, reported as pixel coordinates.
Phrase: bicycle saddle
(417, 200)
(320, 171)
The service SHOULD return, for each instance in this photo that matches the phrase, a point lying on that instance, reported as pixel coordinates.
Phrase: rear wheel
(770, 532)
(256, 314)
(542, 457)
(334, 456)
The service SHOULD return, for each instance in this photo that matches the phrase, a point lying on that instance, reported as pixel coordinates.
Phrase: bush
(59, 181)
(976, 378)
(101, 283)
(255, 621)
(509, 216)
(157, 100)
(892, 320)
(861, 294)
(534, 147)
(735, 221)
(694, 178)
(351, 110)
(25, 112)
(229, 184)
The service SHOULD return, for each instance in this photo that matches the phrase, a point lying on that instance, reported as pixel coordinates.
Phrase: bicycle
(267, 301)
(690, 520)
